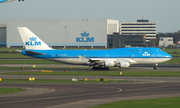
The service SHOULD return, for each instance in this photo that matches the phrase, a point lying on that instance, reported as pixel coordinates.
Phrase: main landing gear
(100, 68)
(155, 66)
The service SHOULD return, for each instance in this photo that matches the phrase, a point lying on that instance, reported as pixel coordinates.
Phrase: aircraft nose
(168, 55)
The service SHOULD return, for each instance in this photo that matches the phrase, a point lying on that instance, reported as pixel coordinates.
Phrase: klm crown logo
(146, 54)
(84, 34)
(33, 42)
(33, 39)
(85, 38)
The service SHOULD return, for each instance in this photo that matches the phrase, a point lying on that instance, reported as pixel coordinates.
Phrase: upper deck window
(147, 50)
(132, 50)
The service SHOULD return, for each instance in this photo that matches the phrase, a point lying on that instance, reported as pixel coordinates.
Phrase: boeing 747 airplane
(5, 1)
(99, 59)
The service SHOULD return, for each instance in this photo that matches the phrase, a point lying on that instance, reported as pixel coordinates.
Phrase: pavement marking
(151, 87)
(95, 102)
(87, 94)
(86, 101)
(58, 97)
(30, 91)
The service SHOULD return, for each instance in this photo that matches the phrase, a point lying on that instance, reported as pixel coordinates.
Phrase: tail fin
(31, 41)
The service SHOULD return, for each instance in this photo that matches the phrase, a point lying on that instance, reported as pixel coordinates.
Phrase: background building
(141, 27)
(86, 33)
(165, 41)
(60, 32)
(2, 34)
(117, 41)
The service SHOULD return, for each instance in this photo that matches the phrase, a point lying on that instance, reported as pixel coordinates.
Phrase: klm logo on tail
(32, 42)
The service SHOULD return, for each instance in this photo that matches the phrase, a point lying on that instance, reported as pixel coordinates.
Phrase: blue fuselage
(136, 54)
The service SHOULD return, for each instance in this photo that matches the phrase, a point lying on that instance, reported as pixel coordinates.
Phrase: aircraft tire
(105, 68)
(155, 68)
(95, 68)
(99, 68)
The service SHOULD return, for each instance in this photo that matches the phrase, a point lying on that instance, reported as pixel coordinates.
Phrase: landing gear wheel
(105, 68)
(95, 68)
(155, 68)
(99, 68)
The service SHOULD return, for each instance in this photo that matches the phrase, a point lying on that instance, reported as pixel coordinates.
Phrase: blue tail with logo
(31, 41)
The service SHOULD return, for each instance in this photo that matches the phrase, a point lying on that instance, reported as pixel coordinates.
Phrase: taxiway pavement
(87, 95)
(66, 94)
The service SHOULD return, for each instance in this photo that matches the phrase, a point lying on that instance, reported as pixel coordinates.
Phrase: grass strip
(146, 103)
(46, 68)
(172, 61)
(10, 90)
(58, 81)
(27, 62)
(41, 61)
(13, 55)
(19, 55)
(104, 73)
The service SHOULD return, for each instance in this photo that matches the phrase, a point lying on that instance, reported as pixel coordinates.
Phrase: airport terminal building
(60, 32)
(141, 27)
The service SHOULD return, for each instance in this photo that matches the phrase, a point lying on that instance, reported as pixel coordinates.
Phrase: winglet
(31, 41)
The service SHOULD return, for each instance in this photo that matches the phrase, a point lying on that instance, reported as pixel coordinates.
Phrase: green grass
(19, 55)
(10, 90)
(173, 61)
(171, 51)
(46, 68)
(27, 62)
(13, 55)
(58, 81)
(103, 73)
(146, 103)
(10, 49)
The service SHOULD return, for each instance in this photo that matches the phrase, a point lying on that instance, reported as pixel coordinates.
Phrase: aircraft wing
(109, 62)
(100, 60)
(34, 53)
(19, 50)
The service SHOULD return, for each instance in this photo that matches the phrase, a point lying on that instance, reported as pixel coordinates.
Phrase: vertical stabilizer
(31, 41)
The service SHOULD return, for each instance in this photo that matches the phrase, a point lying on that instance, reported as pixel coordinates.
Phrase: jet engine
(108, 63)
(123, 64)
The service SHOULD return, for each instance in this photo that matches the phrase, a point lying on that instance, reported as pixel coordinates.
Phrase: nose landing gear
(155, 66)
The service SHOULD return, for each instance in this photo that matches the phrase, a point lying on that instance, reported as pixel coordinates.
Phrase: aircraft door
(140, 50)
(52, 56)
(153, 56)
(132, 56)
(107, 55)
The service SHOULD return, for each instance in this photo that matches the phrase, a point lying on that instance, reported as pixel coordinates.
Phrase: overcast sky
(166, 13)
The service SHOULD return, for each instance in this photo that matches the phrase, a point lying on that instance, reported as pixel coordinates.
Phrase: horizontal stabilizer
(19, 50)
(34, 53)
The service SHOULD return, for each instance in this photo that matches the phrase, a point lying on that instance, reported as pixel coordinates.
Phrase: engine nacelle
(109, 63)
(123, 64)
